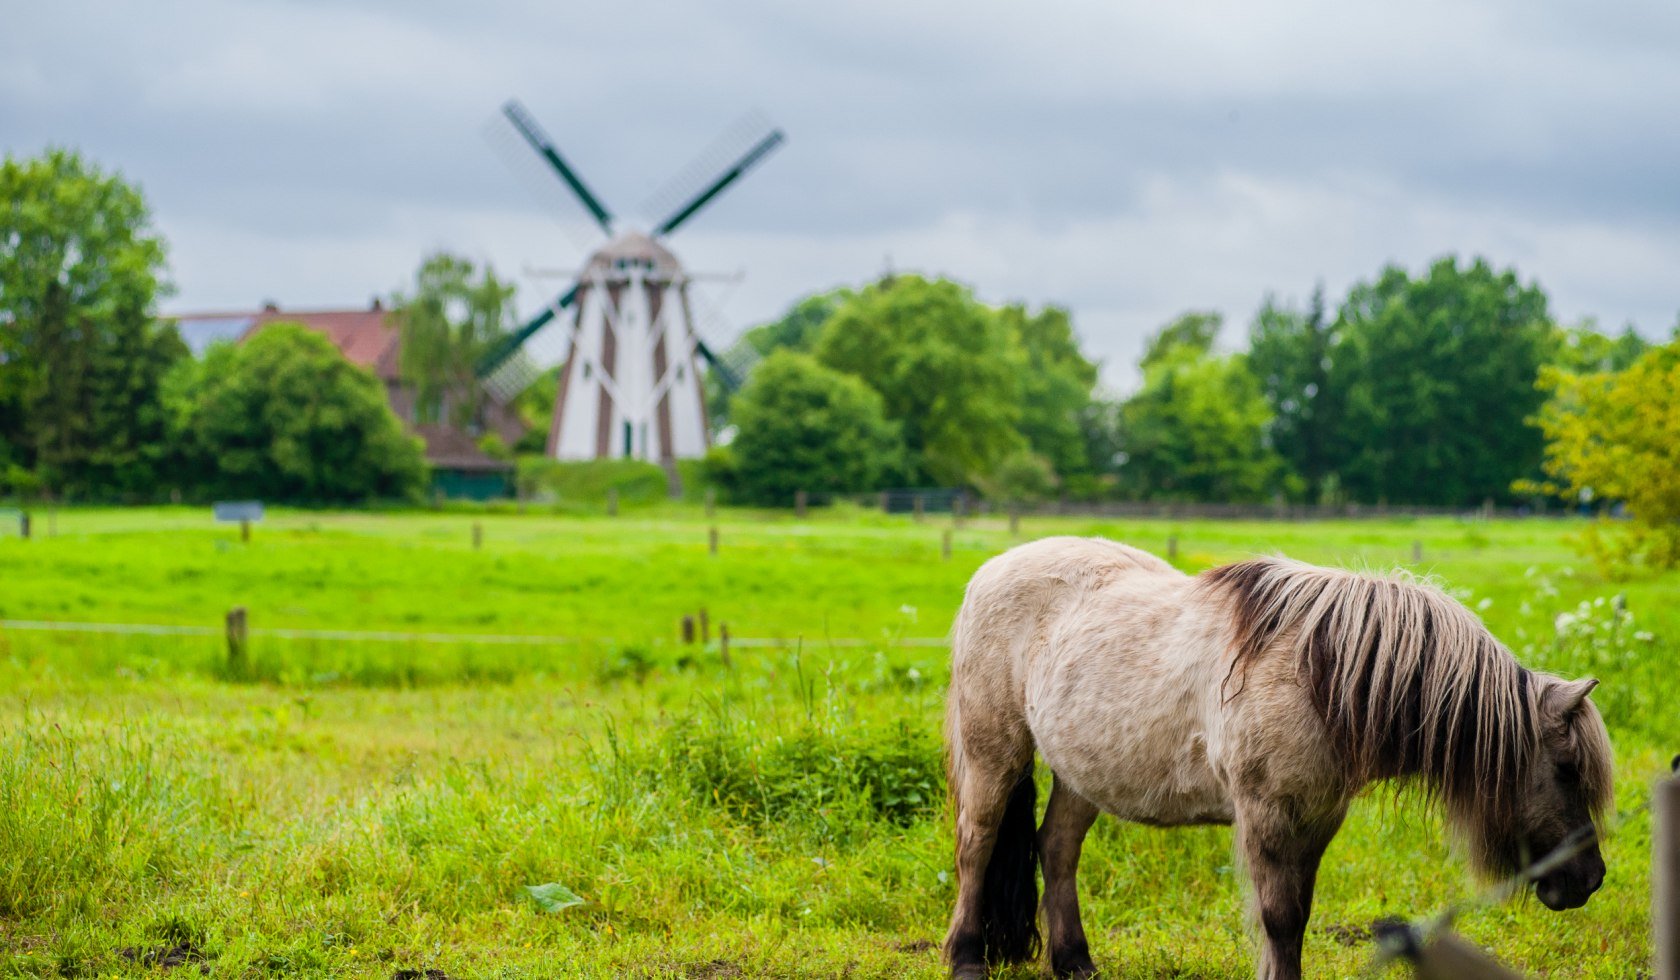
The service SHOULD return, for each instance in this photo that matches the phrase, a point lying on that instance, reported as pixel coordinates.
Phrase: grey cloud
(1110, 145)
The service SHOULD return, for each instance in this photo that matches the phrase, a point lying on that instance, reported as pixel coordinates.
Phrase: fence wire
(1400, 940)
(390, 636)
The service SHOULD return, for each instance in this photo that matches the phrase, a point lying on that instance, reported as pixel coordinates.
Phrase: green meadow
(597, 798)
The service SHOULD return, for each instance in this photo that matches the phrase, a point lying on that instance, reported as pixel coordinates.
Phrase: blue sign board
(238, 511)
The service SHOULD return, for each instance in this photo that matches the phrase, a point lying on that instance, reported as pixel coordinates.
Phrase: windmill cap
(633, 248)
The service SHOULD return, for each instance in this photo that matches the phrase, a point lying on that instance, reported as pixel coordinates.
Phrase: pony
(1263, 694)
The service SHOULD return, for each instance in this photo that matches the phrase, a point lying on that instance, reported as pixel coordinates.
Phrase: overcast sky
(1127, 160)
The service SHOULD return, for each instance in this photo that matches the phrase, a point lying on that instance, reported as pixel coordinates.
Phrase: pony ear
(1563, 699)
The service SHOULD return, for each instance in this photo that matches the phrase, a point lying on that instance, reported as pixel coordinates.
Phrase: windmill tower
(630, 384)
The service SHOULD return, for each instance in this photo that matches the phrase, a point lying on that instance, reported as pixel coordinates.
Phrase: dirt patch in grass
(915, 946)
(1348, 934)
(167, 957)
(432, 974)
(712, 970)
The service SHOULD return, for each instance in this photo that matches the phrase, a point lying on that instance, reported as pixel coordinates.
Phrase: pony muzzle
(1570, 886)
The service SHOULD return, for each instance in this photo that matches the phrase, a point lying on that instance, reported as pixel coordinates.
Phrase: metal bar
(1665, 891)
(540, 142)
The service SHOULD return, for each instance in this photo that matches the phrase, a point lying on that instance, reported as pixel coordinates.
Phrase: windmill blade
(731, 380)
(532, 134)
(522, 356)
(537, 179)
(731, 156)
(736, 360)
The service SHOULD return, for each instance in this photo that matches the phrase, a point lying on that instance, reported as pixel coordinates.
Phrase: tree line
(1414, 390)
(1447, 387)
(101, 400)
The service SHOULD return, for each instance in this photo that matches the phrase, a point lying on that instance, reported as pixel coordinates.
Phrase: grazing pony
(1264, 694)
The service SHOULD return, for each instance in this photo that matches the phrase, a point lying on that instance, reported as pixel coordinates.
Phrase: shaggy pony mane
(1408, 683)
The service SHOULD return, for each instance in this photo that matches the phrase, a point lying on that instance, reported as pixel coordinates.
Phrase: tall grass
(363, 808)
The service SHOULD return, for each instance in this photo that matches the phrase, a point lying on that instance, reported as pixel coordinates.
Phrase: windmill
(629, 383)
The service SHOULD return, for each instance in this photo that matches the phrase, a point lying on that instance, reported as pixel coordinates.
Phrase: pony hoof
(971, 971)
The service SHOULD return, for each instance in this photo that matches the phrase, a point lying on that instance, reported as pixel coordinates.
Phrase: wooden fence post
(712, 539)
(238, 661)
(23, 525)
(918, 507)
(1014, 518)
(1417, 552)
(245, 531)
(1172, 547)
(1665, 890)
(612, 501)
(688, 631)
(959, 509)
(723, 643)
(799, 499)
(478, 536)
(945, 544)
(882, 502)
(705, 626)
(711, 501)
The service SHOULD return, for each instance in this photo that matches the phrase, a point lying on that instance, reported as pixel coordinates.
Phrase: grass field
(352, 807)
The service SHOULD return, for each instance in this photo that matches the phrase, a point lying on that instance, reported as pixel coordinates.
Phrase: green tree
(1290, 352)
(803, 426)
(82, 356)
(1056, 383)
(1196, 429)
(284, 417)
(1583, 348)
(1196, 330)
(801, 326)
(1023, 478)
(1435, 378)
(450, 321)
(1612, 436)
(946, 367)
(796, 330)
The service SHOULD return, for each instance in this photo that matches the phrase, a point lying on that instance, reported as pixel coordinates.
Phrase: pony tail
(1009, 896)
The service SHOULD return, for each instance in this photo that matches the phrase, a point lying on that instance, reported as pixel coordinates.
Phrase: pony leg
(1067, 818)
(996, 868)
(1283, 855)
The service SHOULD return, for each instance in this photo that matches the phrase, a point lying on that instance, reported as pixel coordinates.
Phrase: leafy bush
(1601, 638)
(804, 426)
(285, 417)
(587, 482)
(894, 775)
(1611, 436)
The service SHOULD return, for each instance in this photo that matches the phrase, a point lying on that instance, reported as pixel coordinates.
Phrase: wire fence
(1435, 952)
(394, 636)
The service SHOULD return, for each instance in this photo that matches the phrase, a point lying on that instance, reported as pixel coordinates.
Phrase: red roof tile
(366, 337)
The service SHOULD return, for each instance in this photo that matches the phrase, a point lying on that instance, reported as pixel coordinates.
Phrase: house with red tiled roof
(371, 338)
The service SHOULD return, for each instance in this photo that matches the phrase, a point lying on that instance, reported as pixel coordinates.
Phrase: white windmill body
(630, 386)
(630, 383)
